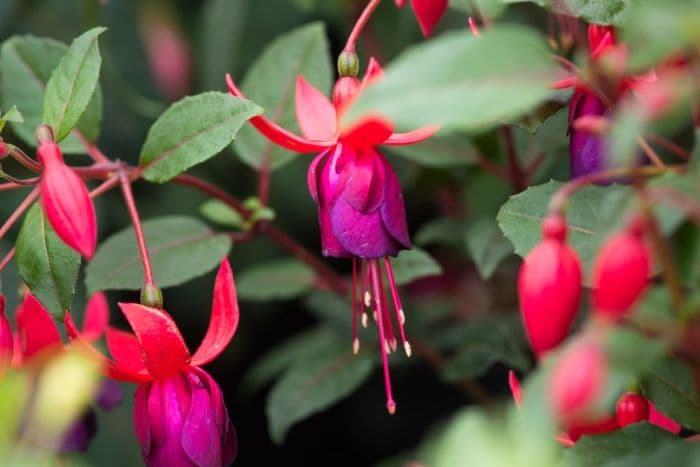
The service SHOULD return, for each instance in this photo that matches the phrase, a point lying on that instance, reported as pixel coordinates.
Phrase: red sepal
(125, 350)
(96, 317)
(224, 317)
(411, 137)
(36, 329)
(315, 112)
(164, 351)
(276, 133)
(428, 13)
(369, 131)
(6, 339)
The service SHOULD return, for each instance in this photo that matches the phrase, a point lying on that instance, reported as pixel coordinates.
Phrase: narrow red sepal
(370, 130)
(96, 317)
(411, 137)
(125, 350)
(36, 328)
(315, 112)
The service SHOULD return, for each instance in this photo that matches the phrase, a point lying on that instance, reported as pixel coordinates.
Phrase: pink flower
(180, 417)
(360, 205)
(66, 202)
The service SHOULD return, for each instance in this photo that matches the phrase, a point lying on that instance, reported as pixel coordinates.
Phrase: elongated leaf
(26, 64)
(461, 81)
(271, 82)
(181, 248)
(191, 131)
(314, 384)
(671, 388)
(73, 83)
(414, 264)
(487, 246)
(275, 280)
(47, 265)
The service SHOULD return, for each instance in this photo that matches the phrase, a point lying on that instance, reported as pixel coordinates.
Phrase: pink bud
(577, 382)
(631, 408)
(169, 57)
(66, 202)
(621, 272)
(549, 287)
(344, 92)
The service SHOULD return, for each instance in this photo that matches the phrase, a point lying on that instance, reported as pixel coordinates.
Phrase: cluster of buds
(550, 286)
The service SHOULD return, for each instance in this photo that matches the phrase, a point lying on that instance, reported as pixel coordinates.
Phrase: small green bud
(348, 64)
(152, 296)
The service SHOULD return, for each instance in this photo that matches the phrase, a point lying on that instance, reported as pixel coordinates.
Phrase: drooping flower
(37, 338)
(428, 13)
(549, 287)
(360, 204)
(66, 202)
(180, 417)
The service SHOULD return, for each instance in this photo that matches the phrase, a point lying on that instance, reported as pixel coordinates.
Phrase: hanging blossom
(360, 204)
(180, 417)
(37, 338)
(428, 13)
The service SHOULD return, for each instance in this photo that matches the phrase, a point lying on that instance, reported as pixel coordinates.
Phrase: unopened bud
(44, 134)
(4, 149)
(152, 296)
(348, 64)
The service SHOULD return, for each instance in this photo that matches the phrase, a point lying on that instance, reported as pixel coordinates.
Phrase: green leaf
(275, 280)
(48, 266)
(314, 384)
(487, 246)
(593, 11)
(282, 356)
(638, 445)
(671, 387)
(191, 131)
(26, 64)
(593, 213)
(414, 264)
(181, 248)
(440, 152)
(271, 82)
(222, 29)
(221, 213)
(73, 83)
(460, 81)
(12, 115)
(442, 231)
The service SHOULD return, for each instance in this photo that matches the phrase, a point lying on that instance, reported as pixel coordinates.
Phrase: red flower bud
(631, 408)
(577, 383)
(66, 202)
(621, 272)
(549, 287)
(344, 92)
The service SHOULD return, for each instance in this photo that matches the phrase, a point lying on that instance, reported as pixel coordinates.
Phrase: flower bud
(152, 296)
(4, 149)
(344, 92)
(631, 408)
(578, 382)
(549, 287)
(348, 64)
(621, 272)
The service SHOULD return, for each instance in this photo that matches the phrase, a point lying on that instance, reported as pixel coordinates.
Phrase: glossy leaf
(181, 248)
(461, 81)
(271, 82)
(671, 387)
(314, 384)
(275, 280)
(48, 266)
(26, 64)
(191, 131)
(73, 83)
(414, 264)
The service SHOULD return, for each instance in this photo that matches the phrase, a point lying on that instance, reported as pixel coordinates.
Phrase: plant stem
(360, 24)
(517, 175)
(650, 153)
(92, 150)
(138, 231)
(21, 157)
(8, 257)
(17, 213)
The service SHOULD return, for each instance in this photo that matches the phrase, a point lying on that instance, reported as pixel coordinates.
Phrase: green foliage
(48, 266)
(487, 246)
(73, 83)
(414, 264)
(459, 81)
(275, 280)
(222, 214)
(191, 131)
(271, 82)
(181, 248)
(671, 386)
(313, 384)
(26, 66)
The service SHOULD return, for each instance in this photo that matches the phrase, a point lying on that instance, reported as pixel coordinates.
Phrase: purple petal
(393, 211)
(79, 435)
(200, 433)
(363, 235)
(364, 188)
(110, 395)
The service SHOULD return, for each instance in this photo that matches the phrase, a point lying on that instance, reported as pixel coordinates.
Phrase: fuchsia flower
(179, 414)
(37, 338)
(66, 202)
(428, 13)
(360, 205)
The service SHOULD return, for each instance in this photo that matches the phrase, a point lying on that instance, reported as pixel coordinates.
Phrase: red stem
(8, 257)
(360, 24)
(138, 231)
(23, 206)
(92, 150)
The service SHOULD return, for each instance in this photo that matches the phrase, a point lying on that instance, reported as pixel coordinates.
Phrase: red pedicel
(621, 272)
(66, 202)
(549, 287)
(631, 408)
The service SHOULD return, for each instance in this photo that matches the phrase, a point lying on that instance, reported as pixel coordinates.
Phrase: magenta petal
(363, 235)
(392, 210)
(314, 172)
(364, 186)
(200, 434)
(141, 424)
